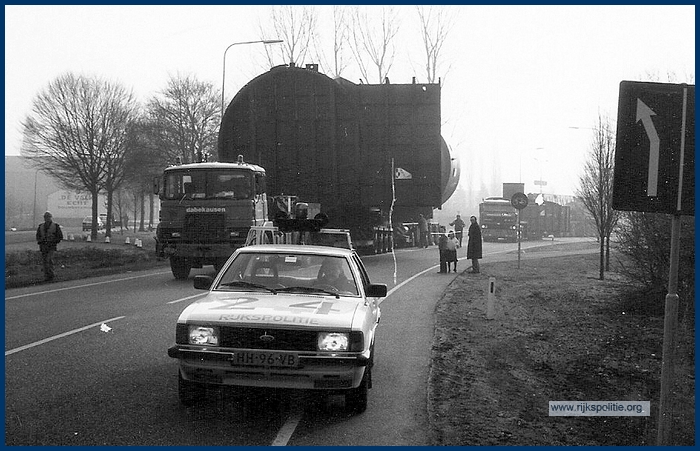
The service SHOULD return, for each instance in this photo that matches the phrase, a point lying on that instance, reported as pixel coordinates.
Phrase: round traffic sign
(519, 201)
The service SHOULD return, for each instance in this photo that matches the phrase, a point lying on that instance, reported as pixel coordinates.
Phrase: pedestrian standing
(451, 250)
(48, 235)
(458, 224)
(442, 247)
(423, 228)
(474, 244)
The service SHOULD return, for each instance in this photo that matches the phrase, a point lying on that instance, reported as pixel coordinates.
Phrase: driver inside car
(331, 274)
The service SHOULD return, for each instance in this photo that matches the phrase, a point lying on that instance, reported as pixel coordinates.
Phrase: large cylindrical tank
(336, 143)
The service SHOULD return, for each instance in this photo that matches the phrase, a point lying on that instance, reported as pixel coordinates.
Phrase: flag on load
(402, 174)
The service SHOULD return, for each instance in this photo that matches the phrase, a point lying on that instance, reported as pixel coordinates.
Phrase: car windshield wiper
(309, 290)
(244, 284)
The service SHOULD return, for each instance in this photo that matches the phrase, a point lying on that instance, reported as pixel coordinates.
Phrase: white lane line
(285, 433)
(7, 298)
(56, 337)
(188, 297)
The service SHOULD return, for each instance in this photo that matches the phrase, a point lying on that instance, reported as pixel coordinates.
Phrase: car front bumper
(314, 371)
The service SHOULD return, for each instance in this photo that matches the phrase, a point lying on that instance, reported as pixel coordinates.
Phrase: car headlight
(333, 341)
(200, 335)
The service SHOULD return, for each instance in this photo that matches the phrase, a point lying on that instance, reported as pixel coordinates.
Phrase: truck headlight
(200, 335)
(333, 341)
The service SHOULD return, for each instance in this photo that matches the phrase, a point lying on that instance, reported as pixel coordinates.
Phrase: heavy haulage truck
(371, 156)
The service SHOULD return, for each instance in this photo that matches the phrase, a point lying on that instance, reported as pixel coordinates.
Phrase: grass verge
(558, 334)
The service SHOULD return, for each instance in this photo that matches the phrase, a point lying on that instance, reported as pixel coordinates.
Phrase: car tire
(180, 267)
(356, 398)
(190, 393)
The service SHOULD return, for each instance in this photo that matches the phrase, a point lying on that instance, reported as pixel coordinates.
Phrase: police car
(282, 316)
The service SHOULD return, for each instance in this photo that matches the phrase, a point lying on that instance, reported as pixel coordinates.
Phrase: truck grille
(204, 227)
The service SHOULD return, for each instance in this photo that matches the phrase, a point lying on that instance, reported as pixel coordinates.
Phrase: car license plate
(263, 358)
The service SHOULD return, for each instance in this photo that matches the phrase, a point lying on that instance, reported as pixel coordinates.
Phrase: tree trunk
(602, 258)
(93, 231)
(143, 212)
(151, 211)
(607, 253)
(108, 226)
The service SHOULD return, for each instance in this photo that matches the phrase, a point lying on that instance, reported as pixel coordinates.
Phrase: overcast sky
(515, 80)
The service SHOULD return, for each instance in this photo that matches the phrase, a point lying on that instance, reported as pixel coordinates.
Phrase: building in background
(30, 192)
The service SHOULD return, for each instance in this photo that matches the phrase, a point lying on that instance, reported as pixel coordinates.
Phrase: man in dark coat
(474, 244)
(48, 235)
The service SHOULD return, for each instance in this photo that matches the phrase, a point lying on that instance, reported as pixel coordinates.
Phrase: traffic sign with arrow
(655, 152)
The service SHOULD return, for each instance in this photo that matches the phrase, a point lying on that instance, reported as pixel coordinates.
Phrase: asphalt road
(69, 380)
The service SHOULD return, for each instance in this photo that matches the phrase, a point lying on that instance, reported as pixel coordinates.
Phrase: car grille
(284, 340)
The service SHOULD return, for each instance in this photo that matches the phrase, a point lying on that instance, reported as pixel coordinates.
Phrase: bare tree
(436, 22)
(187, 117)
(76, 125)
(117, 160)
(294, 24)
(372, 42)
(341, 34)
(596, 184)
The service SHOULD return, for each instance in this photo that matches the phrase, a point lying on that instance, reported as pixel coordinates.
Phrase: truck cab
(206, 211)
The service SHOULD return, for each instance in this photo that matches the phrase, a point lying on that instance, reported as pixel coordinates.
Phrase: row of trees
(360, 37)
(93, 135)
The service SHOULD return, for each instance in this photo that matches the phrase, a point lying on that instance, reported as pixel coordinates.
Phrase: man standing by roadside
(459, 228)
(474, 244)
(48, 235)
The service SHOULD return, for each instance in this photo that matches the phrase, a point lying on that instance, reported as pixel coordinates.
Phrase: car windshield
(289, 272)
(200, 184)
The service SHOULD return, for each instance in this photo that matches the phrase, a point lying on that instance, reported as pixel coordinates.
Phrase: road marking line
(287, 429)
(83, 286)
(56, 337)
(184, 299)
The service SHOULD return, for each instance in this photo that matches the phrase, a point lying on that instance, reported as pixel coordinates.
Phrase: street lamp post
(223, 81)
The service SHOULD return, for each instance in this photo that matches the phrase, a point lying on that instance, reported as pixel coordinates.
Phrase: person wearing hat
(48, 235)
(459, 228)
(451, 246)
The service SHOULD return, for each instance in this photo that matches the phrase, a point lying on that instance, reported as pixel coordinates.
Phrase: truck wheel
(356, 399)
(180, 267)
(189, 392)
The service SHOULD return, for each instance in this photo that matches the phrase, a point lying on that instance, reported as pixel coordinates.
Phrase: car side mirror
(202, 282)
(376, 290)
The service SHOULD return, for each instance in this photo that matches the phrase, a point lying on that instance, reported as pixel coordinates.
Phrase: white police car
(282, 316)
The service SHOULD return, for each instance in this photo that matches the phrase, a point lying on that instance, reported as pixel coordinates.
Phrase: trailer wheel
(180, 267)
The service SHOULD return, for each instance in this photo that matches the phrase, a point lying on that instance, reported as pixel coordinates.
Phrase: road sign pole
(670, 323)
(520, 237)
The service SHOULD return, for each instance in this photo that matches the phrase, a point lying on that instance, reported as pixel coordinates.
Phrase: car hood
(267, 309)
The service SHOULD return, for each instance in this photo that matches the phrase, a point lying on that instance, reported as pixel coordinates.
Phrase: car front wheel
(189, 392)
(356, 399)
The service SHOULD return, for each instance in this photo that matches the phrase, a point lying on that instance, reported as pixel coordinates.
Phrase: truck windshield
(201, 184)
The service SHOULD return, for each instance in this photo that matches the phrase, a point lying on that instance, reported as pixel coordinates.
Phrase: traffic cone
(107, 240)
(89, 238)
(127, 240)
